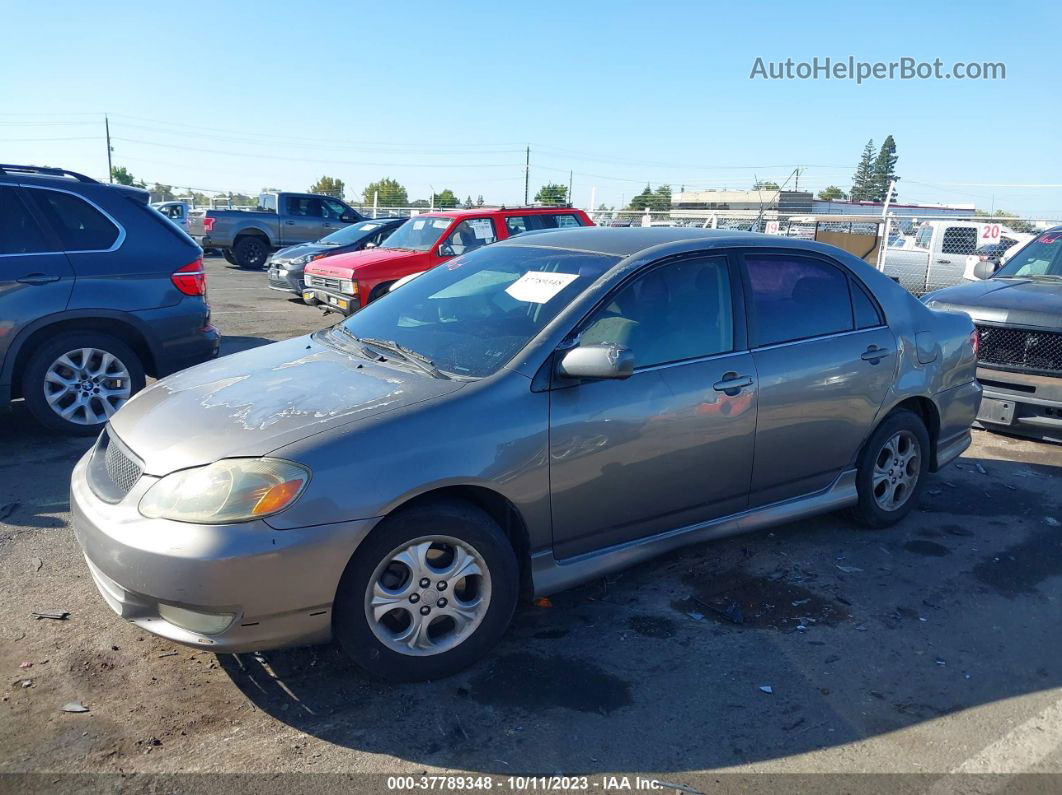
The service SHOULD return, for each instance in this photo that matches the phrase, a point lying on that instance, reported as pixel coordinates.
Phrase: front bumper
(288, 281)
(278, 584)
(336, 302)
(1021, 403)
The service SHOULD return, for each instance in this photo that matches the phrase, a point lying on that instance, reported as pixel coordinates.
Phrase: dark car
(1018, 314)
(97, 291)
(287, 265)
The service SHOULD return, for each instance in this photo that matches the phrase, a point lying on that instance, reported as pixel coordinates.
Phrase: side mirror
(370, 245)
(446, 250)
(597, 362)
(348, 218)
(984, 269)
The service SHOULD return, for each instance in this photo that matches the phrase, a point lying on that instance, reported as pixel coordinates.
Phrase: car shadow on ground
(810, 635)
(236, 344)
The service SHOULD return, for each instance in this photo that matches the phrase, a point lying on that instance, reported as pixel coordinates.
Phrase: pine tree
(862, 180)
(884, 170)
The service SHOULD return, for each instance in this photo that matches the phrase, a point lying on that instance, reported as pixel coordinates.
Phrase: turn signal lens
(975, 341)
(278, 497)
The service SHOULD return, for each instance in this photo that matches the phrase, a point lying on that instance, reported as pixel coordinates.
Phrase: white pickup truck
(944, 253)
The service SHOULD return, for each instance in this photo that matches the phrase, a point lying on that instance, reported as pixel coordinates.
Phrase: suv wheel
(250, 252)
(73, 383)
(228, 256)
(892, 470)
(428, 593)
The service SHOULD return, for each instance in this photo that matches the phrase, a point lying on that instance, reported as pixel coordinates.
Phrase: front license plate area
(998, 412)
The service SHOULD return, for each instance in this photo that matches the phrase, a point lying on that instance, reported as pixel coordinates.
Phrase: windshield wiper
(419, 359)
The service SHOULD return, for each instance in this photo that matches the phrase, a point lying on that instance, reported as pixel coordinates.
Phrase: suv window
(794, 298)
(304, 206)
(678, 311)
(81, 227)
(521, 223)
(19, 232)
(959, 240)
(469, 235)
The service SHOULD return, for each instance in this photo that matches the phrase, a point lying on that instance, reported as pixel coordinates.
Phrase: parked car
(1018, 313)
(97, 290)
(285, 267)
(941, 254)
(995, 254)
(176, 211)
(247, 237)
(531, 415)
(347, 282)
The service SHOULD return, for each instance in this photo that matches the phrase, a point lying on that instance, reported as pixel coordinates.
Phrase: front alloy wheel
(428, 595)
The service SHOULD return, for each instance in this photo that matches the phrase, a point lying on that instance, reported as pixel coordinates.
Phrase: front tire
(892, 470)
(251, 252)
(73, 383)
(229, 258)
(428, 593)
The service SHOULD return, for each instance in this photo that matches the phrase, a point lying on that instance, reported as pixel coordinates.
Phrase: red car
(347, 282)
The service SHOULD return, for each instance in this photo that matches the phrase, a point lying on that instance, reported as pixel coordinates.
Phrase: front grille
(1020, 349)
(123, 471)
(322, 281)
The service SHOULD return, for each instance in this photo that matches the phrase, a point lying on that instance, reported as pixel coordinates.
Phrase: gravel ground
(930, 647)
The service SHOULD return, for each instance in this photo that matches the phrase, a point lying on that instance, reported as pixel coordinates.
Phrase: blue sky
(238, 96)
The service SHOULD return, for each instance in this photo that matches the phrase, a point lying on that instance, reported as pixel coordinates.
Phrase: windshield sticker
(537, 287)
(1050, 238)
(482, 228)
(418, 224)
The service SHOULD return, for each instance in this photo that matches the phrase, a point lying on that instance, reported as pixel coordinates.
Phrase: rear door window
(80, 226)
(959, 240)
(19, 231)
(304, 206)
(795, 298)
(522, 223)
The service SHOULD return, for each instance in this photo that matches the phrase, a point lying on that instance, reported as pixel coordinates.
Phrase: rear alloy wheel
(251, 252)
(428, 593)
(75, 383)
(892, 470)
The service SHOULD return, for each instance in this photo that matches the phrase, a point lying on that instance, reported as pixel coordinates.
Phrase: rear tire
(227, 254)
(429, 592)
(251, 252)
(892, 470)
(86, 376)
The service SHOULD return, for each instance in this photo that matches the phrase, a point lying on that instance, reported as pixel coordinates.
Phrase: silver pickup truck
(247, 237)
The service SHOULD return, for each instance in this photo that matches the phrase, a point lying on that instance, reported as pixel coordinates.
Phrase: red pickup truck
(347, 282)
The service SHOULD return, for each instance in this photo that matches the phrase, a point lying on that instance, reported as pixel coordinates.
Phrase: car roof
(463, 212)
(625, 241)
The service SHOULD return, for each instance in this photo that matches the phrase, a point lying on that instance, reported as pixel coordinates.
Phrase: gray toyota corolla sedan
(528, 416)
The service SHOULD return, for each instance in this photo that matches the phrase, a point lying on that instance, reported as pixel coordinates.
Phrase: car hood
(343, 265)
(300, 250)
(1024, 302)
(251, 403)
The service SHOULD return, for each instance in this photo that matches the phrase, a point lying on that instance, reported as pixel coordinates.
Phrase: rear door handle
(732, 383)
(943, 262)
(874, 355)
(37, 278)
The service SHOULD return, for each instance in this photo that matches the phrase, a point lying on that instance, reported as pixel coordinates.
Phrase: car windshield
(418, 234)
(473, 314)
(350, 234)
(1041, 257)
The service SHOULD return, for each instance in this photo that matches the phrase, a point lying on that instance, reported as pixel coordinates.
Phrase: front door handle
(943, 262)
(37, 278)
(732, 383)
(874, 354)
(290, 223)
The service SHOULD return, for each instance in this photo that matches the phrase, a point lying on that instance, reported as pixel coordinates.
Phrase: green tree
(446, 199)
(122, 176)
(329, 186)
(884, 170)
(392, 194)
(643, 200)
(162, 193)
(468, 202)
(552, 193)
(760, 185)
(419, 203)
(863, 179)
(1012, 220)
(662, 199)
(479, 200)
(832, 192)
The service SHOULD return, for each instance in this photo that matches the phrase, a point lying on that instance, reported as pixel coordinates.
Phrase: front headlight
(348, 286)
(230, 490)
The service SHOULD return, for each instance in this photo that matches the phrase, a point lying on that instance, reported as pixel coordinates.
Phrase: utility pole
(110, 169)
(527, 174)
(570, 173)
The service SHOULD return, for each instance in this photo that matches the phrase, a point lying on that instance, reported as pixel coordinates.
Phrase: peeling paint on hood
(253, 402)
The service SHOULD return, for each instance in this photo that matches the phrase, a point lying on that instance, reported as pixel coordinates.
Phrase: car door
(35, 276)
(671, 445)
(825, 360)
(303, 218)
(948, 263)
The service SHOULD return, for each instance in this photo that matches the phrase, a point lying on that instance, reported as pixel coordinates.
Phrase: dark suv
(97, 291)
